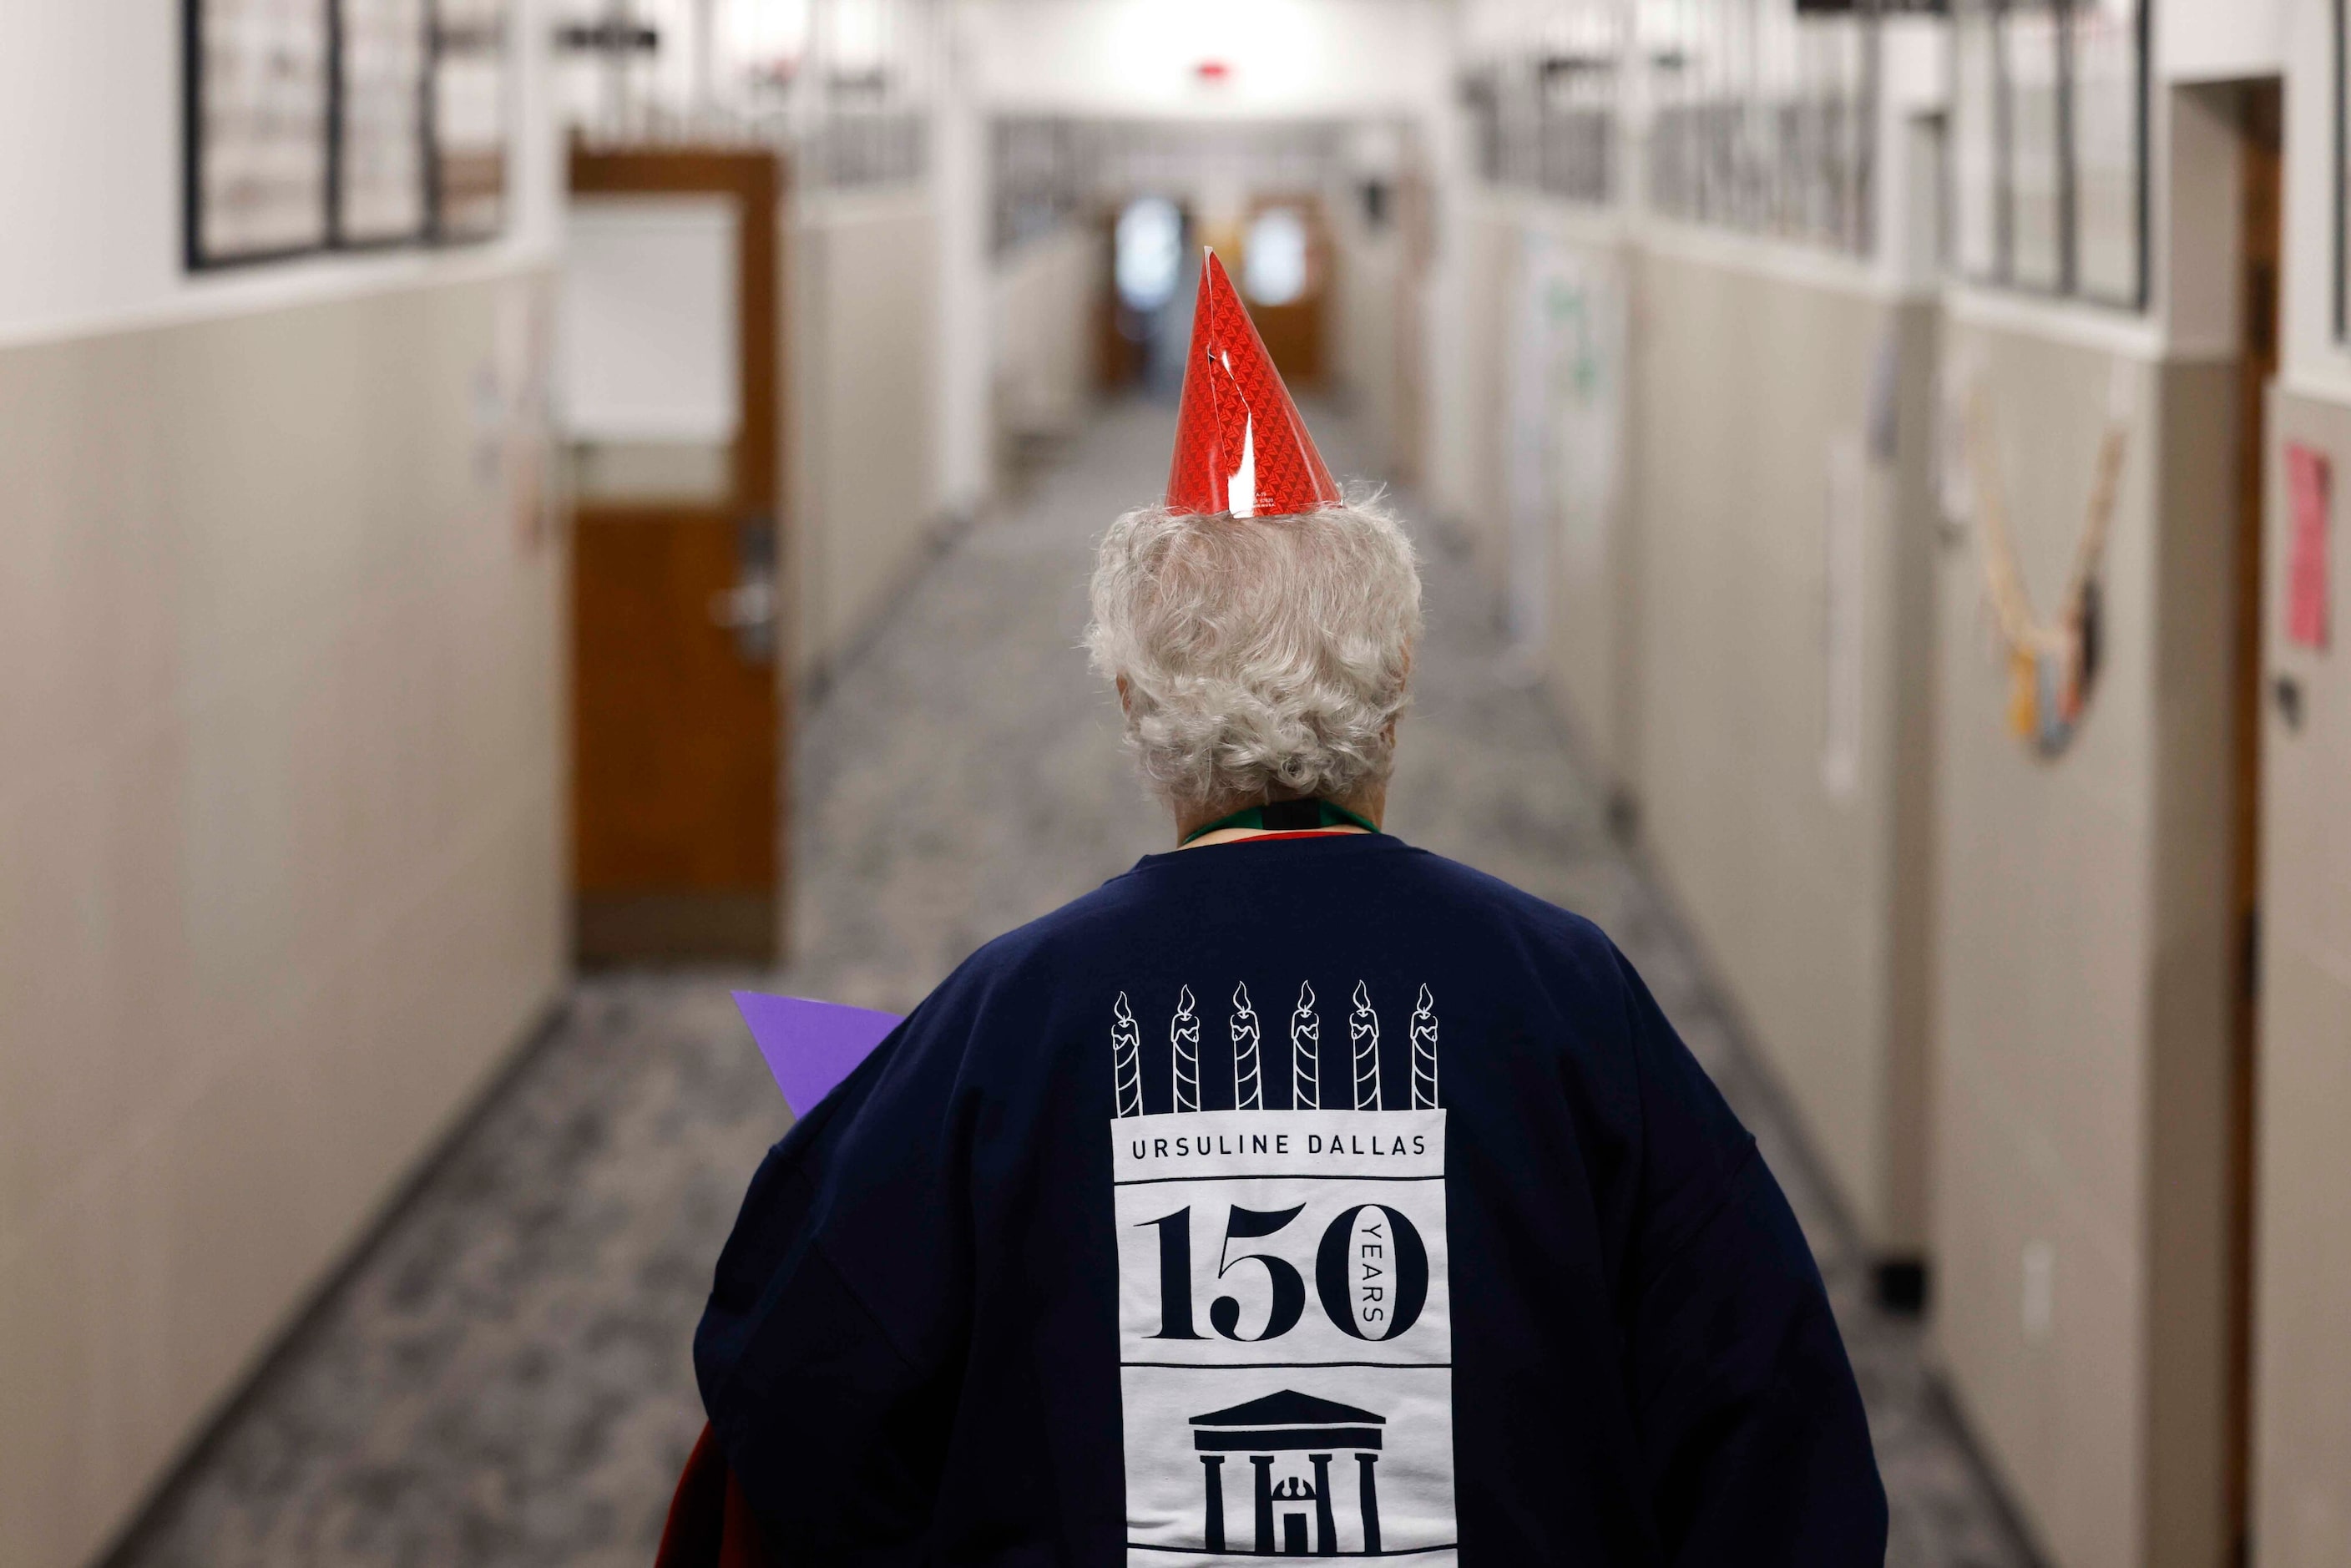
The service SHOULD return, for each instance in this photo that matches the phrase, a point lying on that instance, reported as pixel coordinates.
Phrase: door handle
(2287, 692)
(745, 606)
(752, 608)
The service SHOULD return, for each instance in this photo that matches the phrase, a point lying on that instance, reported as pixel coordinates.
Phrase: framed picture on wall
(381, 133)
(466, 107)
(317, 125)
(258, 96)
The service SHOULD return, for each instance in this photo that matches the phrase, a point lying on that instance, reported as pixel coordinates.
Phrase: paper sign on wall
(1844, 574)
(2309, 486)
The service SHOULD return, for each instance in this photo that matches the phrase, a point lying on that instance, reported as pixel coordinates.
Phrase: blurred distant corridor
(503, 1378)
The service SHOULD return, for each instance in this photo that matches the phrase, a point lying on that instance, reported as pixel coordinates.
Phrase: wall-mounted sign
(2310, 481)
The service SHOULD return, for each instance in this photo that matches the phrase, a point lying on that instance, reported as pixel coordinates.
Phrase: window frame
(2069, 286)
(1729, 149)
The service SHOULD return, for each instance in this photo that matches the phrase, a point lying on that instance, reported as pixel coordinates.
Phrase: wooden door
(679, 711)
(1296, 332)
(1119, 359)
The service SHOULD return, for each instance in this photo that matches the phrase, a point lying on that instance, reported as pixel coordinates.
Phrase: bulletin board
(318, 125)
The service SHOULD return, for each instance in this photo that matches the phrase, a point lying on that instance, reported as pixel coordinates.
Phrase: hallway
(503, 1375)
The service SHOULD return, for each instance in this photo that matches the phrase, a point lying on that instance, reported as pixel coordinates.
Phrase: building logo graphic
(1278, 1429)
(1286, 1351)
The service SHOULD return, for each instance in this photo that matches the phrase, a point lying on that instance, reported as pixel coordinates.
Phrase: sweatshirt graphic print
(1285, 1320)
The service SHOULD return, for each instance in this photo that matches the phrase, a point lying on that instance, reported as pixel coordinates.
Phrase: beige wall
(1472, 482)
(280, 881)
(1367, 325)
(1686, 637)
(1590, 656)
(2084, 962)
(1585, 656)
(861, 408)
(2302, 1282)
(1753, 390)
(1044, 297)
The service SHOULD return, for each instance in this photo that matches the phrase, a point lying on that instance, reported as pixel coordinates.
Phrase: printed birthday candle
(1364, 1031)
(1248, 1093)
(1424, 1052)
(1184, 1035)
(1305, 1053)
(1126, 1058)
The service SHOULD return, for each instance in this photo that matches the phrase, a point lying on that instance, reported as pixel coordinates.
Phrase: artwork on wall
(259, 85)
(380, 136)
(1566, 412)
(341, 124)
(1540, 338)
(2049, 137)
(2052, 664)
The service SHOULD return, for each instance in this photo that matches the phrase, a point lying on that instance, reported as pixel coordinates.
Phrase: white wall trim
(2330, 384)
(1586, 223)
(290, 285)
(2126, 334)
(2198, 41)
(1784, 261)
(865, 203)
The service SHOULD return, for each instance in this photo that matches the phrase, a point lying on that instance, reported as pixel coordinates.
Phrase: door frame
(2260, 265)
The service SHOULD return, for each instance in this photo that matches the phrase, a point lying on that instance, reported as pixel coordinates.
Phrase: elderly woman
(1298, 1192)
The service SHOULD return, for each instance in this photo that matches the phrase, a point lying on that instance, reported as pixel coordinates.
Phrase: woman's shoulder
(1480, 909)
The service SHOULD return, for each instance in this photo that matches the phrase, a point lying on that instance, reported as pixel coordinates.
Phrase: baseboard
(614, 928)
(1899, 1284)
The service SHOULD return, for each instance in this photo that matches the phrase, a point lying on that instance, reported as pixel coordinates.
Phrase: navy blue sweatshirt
(1307, 1196)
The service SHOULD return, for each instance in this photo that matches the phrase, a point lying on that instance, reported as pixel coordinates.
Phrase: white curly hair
(1262, 657)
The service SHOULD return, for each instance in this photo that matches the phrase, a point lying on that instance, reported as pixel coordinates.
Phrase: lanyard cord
(1286, 816)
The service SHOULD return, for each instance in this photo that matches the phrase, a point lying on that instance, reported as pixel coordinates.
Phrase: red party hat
(1240, 446)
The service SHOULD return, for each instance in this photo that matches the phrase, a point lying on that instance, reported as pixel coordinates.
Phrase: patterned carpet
(502, 1377)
